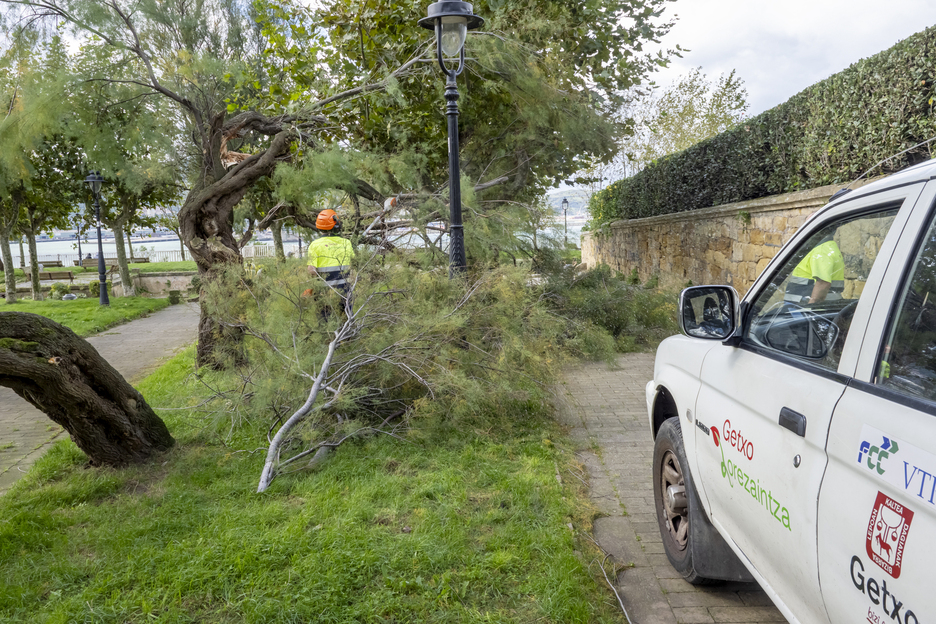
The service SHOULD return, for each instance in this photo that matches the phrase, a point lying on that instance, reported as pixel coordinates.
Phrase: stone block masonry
(729, 244)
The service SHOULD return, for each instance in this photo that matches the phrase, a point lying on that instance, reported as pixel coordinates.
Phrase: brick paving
(606, 409)
(135, 349)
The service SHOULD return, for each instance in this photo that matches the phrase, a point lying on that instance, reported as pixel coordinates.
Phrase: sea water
(67, 250)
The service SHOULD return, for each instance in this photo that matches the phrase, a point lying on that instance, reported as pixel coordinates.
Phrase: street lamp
(94, 182)
(451, 22)
(565, 214)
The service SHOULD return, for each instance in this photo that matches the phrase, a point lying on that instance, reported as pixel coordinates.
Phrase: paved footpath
(135, 349)
(606, 409)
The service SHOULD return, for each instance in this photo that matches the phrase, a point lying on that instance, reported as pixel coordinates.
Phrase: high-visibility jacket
(331, 256)
(823, 262)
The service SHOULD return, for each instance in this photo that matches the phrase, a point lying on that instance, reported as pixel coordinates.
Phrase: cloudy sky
(780, 47)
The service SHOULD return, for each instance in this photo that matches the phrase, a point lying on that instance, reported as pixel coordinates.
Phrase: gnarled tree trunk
(205, 224)
(65, 377)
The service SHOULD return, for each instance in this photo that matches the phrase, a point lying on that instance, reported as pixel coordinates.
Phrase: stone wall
(157, 284)
(729, 244)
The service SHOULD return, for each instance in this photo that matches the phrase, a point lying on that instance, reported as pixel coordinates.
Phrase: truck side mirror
(709, 312)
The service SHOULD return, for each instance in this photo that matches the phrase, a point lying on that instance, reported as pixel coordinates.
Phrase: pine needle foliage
(636, 317)
(422, 343)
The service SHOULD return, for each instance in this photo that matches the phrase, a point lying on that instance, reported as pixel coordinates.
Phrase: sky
(780, 47)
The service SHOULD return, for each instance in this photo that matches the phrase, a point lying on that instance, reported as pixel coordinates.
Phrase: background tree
(167, 216)
(130, 201)
(10, 214)
(54, 187)
(292, 79)
(37, 157)
(693, 108)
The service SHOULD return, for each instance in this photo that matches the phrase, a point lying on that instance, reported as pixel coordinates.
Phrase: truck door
(877, 505)
(768, 402)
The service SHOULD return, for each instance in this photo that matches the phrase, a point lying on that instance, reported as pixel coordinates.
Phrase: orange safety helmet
(326, 219)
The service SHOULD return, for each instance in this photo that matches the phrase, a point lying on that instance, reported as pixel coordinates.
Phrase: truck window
(806, 309)
(907, 362)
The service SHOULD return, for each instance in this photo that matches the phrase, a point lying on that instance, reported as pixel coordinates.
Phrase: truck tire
(672, 493)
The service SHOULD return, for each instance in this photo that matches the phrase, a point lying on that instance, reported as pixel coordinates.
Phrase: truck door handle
(794, 421)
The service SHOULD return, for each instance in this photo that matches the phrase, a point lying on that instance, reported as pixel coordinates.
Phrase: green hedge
(830, 133)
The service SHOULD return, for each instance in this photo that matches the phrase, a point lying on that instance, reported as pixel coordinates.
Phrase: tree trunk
(9, 216)
(128, 289)
(8, 269)
(129, 243)
(205, 222)
(22, 257)
(116, 224)
(276, 228)
(33, 259)
(65, 377)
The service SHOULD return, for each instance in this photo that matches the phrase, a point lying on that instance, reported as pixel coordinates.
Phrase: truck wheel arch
(711, 554)
(664, 408)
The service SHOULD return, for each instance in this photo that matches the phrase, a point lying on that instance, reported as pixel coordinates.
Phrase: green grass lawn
(87, 316)
(455, 522)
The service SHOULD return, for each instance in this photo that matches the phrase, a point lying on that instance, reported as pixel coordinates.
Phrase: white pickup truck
(795, 429)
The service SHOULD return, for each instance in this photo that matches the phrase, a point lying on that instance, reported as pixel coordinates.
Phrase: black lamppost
(565, 214)
(451, 22)
(94, 182)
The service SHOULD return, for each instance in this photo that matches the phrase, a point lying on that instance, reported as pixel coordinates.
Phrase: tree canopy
(693, 108)
(348, 97)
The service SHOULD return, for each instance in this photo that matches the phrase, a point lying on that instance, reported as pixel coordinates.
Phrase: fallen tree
(323, 372)
(66, 378)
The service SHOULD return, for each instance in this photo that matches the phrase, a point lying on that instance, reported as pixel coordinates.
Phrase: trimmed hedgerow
(830, 133)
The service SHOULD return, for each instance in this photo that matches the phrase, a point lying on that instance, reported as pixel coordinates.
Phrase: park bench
(93, 263)
(57, 275)
(51, 263)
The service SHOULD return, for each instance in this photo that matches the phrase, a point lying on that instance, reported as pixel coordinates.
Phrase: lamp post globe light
(451, 22)
(565, 215)
(94, 182)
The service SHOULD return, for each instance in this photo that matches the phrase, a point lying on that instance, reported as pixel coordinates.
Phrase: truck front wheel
(672, 493)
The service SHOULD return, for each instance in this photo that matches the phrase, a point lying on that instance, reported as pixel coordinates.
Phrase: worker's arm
(312, 271)
(819, 290)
